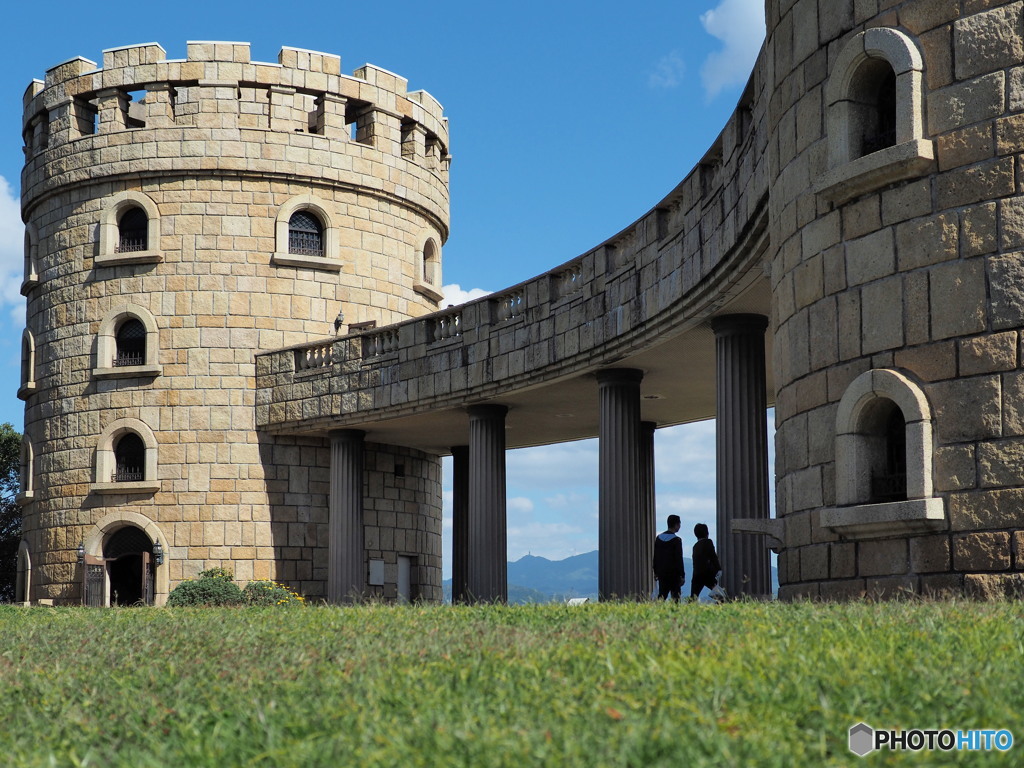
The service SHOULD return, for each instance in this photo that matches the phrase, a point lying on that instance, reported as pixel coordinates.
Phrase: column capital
(619, 375)
(740, 323)
(487, 411)
(348, 435)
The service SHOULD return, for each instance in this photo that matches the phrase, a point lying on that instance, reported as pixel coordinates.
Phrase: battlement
(218, 87)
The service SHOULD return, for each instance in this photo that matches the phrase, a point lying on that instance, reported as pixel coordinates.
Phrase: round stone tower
(181, 216)
(897, 239)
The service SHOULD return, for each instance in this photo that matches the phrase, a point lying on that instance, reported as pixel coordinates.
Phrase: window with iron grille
(305, 235)
(129, 459)
(133, 231)
(131, 343)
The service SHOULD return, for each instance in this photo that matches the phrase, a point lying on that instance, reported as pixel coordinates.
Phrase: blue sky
(569, 120)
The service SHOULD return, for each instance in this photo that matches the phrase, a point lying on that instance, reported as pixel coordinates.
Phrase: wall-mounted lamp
(158, 553)
(81, 553)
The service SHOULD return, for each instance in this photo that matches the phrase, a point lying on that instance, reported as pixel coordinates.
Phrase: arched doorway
(130, 568)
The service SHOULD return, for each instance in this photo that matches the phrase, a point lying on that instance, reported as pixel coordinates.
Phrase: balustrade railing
(569, 281)
(447, 326)
(313, 358)
(380, 343)
(510, 306)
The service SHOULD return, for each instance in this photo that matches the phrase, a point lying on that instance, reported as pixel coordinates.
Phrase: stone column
(487, 573)
(346, 567)
(622, 517)
(647, 502)
(742, 450)
(460, 522)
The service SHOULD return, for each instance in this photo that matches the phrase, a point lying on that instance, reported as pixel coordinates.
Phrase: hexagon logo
(862, 739)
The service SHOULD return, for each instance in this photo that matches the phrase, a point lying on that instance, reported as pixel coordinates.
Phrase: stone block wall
(215, 147)
(918, 273)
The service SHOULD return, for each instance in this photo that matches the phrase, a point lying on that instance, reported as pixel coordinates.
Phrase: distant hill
(539, 580)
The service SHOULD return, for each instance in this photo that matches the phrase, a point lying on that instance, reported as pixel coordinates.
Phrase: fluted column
(648, 503)
(460, 522)
(346, 567)
(487, 572)
(621, 509)
(742, 450)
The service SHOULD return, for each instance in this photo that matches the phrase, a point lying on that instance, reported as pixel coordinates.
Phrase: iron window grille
(129, 459)
(131, 344)
(305, 235)
(133, 231)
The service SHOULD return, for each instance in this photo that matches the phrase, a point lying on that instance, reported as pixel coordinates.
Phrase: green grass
(599, 685)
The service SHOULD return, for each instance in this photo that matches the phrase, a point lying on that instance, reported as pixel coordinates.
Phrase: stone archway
(131, 570)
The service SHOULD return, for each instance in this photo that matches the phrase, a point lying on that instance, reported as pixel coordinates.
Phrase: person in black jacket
(705, 562)
(668, 561)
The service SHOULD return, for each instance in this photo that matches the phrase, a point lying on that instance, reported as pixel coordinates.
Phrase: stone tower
(896, 231)
(182, 216)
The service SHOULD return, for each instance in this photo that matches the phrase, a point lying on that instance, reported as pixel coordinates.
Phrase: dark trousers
(697, 584)
(670, 584)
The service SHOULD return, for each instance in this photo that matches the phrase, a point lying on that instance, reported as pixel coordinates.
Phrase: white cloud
(668, 72)
(739, 24)
(12, 245)
(454, 295)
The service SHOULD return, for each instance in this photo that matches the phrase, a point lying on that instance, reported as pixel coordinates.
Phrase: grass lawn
(598, 685)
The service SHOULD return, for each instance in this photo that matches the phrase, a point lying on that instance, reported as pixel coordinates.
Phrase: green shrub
(218, 573)
(207, 590)
(267, 592)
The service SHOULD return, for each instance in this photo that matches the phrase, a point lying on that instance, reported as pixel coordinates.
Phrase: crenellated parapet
(142, 113)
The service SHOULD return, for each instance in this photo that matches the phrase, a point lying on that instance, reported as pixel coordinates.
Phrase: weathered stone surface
(988, 354)
(929, 554)
(882, 558)
(1001, 463)
(978, 510)
(966, 103)
(1006, 278)
(942, 586)
(965, 146)
(870, 257)
(843, 560)
(923, 242)
(994, 586)
(988, 41)
(955, 468)
(841, 591)
(814, 562)
(959, 284)
(978, 230)
(891, 588)
(931, 362)
(883, 315)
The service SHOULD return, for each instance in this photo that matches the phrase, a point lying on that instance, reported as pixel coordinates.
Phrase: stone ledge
(429, 291)
(140, 486)
(902, 161)
(24, 498)
(127, 372)
(136, 257)
(307, 262)
(879, 521)
(26, 390)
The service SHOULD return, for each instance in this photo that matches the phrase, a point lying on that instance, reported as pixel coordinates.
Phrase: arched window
(128, 344)
(428, 281)
(28, 365)
(884, 433)
(31, 272)
(126, 459)
(25, 471)
(23, 578)
(132, 231)
(883, 461)
(874, 103)
(129, 231)
(130, 340)
(305, 235)
(873, 108)
(129, 459)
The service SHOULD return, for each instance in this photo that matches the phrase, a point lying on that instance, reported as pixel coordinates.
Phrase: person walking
(668, 561)
(706, 566)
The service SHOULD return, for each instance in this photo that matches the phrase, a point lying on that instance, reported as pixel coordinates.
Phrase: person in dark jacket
(668, 561)
(705, 562)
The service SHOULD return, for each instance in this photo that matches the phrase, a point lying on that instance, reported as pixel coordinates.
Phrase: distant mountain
(539, 580)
